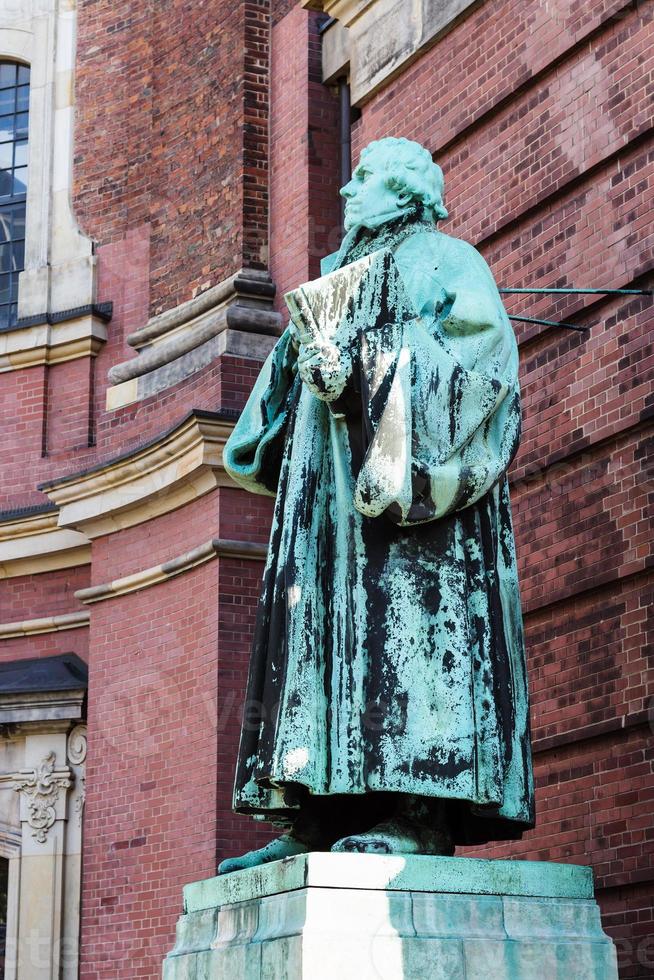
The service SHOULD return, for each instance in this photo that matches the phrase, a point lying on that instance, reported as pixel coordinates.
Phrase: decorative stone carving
(77, 745)
(76, 750)
(42, 786)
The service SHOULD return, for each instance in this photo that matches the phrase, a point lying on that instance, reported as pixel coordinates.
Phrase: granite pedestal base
(340, 916)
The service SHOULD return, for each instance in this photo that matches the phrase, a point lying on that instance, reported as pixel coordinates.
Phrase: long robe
(388, 652)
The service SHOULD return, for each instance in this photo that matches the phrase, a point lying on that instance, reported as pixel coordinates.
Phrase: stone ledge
(31, 542)
(458, 875)
(252, 289)
(216, 548)
(43, 689)
(242, 302)
(103, 311)
(181, 465)
(237, 343)
(52, 341)
(47, 624)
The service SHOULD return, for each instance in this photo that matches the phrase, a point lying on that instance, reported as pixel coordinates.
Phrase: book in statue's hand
(359, 297)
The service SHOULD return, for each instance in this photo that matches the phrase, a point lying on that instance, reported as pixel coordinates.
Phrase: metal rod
(345, 137)
(549, 323)
(603, 292)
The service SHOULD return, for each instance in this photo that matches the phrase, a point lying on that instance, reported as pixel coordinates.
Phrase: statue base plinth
(323, 916)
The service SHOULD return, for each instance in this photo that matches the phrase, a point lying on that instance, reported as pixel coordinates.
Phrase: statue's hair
(409, 169)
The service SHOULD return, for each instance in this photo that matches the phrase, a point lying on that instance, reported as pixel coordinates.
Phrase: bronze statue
(388, 666)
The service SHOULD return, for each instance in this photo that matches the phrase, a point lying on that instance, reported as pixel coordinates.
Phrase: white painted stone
(379, 38)
(44, 874)
(311, 926)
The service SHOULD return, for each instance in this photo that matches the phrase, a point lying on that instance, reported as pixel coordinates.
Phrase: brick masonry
(219, 148)
(544, 134)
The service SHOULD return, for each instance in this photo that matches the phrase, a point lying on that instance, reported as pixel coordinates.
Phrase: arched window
(14, 109)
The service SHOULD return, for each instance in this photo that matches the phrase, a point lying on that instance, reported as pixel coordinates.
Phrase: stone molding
(31, 543)
(236, 343)
(215, 548)
(180, 465)
(48, 624)
(251, 288)
(179, 342)
(51, 341)
(382, 37)
(32, 708)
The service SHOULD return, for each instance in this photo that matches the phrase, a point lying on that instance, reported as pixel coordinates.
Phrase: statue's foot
(282, 847)
(398, 836)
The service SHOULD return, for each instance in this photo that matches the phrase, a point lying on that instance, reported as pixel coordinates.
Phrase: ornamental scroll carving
(41, 786)
(77, 747)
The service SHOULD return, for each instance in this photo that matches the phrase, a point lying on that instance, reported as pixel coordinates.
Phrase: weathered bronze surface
(387, 703)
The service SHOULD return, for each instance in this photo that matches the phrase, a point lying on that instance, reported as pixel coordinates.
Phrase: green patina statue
(387, 706)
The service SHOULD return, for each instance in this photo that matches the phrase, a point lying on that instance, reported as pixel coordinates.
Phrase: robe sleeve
(440, 395)
(253, 452)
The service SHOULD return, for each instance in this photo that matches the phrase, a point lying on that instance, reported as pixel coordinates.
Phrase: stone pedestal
(341, 916)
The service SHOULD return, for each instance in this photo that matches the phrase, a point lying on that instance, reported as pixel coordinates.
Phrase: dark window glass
(7, 100)
(8, 74)
(23, 98)
(14, 119)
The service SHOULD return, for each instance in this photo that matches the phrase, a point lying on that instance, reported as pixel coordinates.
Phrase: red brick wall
(36, 597)
(304, 210)
(150, 813)
(544, 134)
(167, 673)
(180, 148)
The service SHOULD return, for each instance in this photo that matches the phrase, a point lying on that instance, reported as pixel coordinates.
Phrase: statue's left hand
(323, 370)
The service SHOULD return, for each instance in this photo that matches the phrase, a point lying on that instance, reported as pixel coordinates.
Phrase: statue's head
(393, 176)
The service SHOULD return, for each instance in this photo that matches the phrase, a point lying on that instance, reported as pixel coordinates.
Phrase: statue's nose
(348, 190)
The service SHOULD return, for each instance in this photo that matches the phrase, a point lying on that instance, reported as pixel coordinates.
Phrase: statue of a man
(387, 706)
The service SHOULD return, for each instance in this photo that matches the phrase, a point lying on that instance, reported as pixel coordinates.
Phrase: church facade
(167, 173)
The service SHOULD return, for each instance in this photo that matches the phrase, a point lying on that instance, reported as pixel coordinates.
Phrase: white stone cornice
(181, 465)
(47, 624)
(34, 543)
(44, 343)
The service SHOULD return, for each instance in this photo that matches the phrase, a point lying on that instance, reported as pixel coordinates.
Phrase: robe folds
(388, 653)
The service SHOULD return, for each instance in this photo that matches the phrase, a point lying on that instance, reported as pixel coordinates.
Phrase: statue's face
(368, 199)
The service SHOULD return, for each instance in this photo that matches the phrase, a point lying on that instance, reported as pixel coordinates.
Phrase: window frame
(12, 246)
